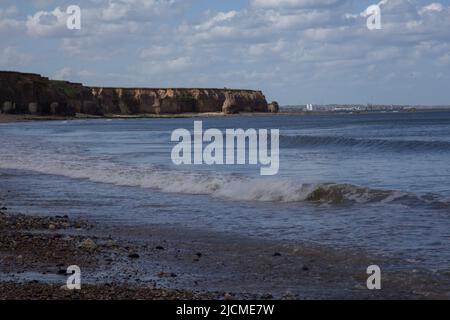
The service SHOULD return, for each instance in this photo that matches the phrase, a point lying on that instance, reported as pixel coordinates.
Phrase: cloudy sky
(296, 51)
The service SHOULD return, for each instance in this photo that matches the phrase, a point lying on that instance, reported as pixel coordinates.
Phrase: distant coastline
(360, 108)
(35, 95)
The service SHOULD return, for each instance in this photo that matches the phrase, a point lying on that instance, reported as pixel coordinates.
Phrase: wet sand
(161, 262)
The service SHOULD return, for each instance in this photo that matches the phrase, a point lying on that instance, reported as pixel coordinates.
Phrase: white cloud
(303, 4)
(47, 23)
(433, 7)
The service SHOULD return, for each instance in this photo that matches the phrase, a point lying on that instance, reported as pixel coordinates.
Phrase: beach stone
(133, 256)
(159, 248)
(51, 226)
(88, 244)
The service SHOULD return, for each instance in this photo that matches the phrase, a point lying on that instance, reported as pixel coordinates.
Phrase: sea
(373, 183)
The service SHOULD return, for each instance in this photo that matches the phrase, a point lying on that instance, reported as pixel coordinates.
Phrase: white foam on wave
(68, 161)
(217, 185)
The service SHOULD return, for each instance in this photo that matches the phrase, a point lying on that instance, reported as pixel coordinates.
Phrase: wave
(218, 185)
(69, 161)
(297, 141)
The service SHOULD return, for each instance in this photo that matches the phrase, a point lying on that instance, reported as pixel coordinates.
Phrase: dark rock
(277, 254)
(159, 248)
(305, 268)
(133, 256)
(91, 107)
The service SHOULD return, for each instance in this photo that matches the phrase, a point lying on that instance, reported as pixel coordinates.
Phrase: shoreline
(10, 118)
(162, 262)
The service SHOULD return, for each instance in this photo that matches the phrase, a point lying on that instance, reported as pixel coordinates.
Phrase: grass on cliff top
(65, 87)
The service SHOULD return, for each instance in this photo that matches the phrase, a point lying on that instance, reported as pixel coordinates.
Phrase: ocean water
(377, 183)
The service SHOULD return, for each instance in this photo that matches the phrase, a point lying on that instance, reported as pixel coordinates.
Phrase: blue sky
(296, 51)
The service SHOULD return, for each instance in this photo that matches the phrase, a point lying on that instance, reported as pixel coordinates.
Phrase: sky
(296, 51)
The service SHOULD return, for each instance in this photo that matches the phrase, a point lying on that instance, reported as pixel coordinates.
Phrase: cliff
(33, 94)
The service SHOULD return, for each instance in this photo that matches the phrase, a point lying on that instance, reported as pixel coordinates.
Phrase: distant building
(309, 107)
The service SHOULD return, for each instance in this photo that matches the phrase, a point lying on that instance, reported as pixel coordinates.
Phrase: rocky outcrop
(273, 107)
(34, 94)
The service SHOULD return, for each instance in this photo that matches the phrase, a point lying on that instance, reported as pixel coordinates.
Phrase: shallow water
(377, 182)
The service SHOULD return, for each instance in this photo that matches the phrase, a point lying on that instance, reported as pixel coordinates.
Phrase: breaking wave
(73, 162)
(219, 185)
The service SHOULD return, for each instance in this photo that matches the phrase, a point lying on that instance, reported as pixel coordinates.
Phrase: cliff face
(33, 94)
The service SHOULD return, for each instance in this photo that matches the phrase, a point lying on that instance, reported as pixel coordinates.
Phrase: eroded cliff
(34, 94)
